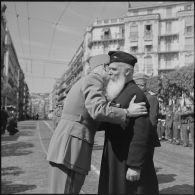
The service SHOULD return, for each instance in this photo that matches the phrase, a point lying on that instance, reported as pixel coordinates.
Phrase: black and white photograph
(97, 97)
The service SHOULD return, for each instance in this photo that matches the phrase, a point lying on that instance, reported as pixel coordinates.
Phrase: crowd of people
(176, 124)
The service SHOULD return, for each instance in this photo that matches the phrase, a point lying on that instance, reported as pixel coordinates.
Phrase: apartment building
(161, 36)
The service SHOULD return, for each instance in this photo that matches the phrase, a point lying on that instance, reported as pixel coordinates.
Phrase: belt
(73, 117)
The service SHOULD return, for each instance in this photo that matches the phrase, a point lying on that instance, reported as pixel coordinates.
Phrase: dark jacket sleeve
(140, 143)
(154, 110)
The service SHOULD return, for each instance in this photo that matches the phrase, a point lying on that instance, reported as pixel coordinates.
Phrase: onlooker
(177, 125)
(12, 123)
(169, 123)
(4, 117)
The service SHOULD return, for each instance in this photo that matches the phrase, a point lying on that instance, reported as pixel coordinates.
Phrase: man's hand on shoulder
(136, 109)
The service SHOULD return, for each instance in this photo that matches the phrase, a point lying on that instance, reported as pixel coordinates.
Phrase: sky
(46, 35)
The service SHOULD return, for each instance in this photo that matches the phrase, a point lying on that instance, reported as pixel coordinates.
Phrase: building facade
(14, 90)
(160, 36)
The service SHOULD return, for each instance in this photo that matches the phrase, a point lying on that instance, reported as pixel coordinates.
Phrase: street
(25, 169)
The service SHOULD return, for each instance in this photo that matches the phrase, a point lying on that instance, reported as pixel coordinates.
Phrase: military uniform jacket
(84, 108)
(154, 108)
(132, 148)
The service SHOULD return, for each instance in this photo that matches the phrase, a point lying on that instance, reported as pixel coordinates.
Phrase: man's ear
(128, 71)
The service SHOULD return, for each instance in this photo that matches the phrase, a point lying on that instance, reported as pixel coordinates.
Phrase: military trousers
(186, 129)
(63, 180)
(177, 130)
(169, 131)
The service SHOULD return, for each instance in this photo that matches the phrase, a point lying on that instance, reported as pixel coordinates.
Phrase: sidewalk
(18, 154)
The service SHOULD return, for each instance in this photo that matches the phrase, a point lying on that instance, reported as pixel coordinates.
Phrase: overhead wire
(60, 62)
(29, 34)
(19, 32)
(54, 30)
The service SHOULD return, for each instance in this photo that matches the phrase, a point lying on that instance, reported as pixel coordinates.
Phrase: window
(134, 49)
(148, 65)
(169, 12)
(148, 28)
(168, 61)
(189, 43)
(168, 27)
(133, 32)
(148, 48)
(121, 31)
(148, 32)
(189, 23)
(106, 33)
(189, 59)
(188, 7)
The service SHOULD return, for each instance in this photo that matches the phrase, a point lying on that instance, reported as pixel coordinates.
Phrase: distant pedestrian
(12, 123)
(37, 116)
(4, 117)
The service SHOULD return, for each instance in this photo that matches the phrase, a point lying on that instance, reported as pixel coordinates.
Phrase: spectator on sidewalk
(4, 117)
(177, 125)
(169, 124)
(12, 123)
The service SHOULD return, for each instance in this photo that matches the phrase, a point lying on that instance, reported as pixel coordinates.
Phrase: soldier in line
(188, 127)
(177, 125)
(169, 123)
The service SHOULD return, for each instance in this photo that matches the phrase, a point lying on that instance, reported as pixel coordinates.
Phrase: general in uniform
(71, 145)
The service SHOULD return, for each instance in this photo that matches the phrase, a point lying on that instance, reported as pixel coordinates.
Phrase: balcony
(169, 34)
(168, 51)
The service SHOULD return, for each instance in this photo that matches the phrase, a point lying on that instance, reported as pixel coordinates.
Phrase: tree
(173, 84)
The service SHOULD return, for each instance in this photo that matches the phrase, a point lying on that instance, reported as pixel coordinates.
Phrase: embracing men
(85, 107)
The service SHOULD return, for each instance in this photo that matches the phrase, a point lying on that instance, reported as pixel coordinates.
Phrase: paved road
(25, 169)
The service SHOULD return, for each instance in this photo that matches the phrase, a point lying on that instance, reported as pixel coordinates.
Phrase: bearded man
(127, 162)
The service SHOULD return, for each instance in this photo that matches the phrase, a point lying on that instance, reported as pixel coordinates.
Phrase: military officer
(71, 145)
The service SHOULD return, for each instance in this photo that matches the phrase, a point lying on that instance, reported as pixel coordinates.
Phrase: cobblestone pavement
(24, 168)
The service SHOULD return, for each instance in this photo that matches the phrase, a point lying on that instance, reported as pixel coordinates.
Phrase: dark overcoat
(132, 148)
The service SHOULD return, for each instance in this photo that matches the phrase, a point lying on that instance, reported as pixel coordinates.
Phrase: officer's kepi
(98, 60)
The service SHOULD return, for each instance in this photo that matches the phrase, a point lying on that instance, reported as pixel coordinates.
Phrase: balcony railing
(168, 34)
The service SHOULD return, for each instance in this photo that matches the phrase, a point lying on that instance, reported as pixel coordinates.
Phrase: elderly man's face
(115, 70)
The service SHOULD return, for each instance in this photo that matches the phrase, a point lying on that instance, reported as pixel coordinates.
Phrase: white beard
(114, 87)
